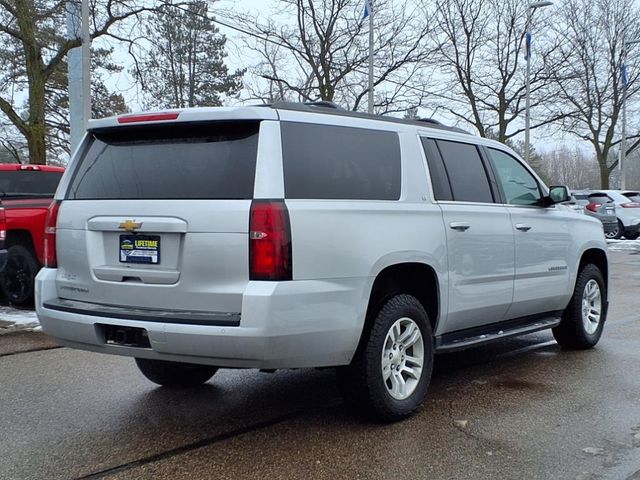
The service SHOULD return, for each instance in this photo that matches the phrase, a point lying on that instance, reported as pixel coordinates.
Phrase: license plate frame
(139, 249)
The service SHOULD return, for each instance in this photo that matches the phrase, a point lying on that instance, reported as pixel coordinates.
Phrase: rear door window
(466, 172)
(334, 162)
(633, 196)
(180, 161)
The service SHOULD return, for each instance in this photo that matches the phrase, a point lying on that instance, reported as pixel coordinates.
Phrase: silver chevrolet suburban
(302, 235)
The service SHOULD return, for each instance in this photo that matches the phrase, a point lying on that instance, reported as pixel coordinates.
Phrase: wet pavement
(521, 408)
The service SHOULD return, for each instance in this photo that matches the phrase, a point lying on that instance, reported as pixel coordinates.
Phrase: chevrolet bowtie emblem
(130, 225)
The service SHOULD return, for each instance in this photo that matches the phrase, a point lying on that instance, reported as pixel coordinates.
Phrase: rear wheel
(175, 374)
(18, 278)
(617, 232)
(583, 319)
(389, 376)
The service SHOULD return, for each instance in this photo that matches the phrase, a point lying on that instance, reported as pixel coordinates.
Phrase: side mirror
(557, 194)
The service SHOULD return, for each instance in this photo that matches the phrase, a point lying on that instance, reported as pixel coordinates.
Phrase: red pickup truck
(25, 192)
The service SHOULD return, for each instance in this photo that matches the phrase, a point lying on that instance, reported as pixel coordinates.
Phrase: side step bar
(450, 342)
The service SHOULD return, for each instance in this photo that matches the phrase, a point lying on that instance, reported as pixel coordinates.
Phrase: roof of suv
(256, 112)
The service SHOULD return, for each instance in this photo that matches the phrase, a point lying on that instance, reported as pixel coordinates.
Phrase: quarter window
(333, 162)
(518, 184)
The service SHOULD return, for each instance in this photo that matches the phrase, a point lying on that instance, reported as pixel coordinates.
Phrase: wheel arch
(597, 257)
(414, 278)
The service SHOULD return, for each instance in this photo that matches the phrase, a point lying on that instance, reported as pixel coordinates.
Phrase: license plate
(609, 211)
(140, 249)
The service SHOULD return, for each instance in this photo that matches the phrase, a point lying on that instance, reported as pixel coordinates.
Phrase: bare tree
(482, 55)
(593, 33)
(32, 37)
(572, 167)
(318, 50)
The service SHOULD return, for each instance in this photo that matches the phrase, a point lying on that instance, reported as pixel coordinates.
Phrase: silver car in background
(592, 206)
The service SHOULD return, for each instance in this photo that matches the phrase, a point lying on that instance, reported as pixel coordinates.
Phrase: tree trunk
(604, 173)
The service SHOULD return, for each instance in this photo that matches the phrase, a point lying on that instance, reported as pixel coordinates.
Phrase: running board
(472, 337)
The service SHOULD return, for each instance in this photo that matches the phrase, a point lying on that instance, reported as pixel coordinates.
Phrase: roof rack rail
(330, 108)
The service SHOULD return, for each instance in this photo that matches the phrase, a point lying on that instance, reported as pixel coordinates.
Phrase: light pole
(625, 83)
(530, 9)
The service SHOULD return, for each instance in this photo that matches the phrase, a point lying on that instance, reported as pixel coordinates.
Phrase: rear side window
(180, 161)
(466, 172)
(330, 162)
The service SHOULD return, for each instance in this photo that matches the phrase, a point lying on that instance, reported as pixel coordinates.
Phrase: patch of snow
(623, 245)
(13, 319)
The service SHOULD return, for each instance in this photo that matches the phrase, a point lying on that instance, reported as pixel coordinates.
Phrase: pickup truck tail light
(269, 241)
(50, 257)
(630, 205)
(593, 207)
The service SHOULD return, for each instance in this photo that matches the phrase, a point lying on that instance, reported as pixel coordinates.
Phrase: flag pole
(371, 10)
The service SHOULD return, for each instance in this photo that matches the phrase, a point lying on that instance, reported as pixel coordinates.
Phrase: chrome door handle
(460, 226)
(523, 227)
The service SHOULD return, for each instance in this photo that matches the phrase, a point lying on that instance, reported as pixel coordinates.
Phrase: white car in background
(627, 211)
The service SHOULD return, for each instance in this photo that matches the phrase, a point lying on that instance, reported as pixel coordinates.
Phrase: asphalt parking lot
(517, 409)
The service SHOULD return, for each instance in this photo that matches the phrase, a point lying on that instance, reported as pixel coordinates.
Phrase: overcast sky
(238, 59)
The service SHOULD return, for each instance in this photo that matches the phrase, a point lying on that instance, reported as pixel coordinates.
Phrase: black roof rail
(330, 108)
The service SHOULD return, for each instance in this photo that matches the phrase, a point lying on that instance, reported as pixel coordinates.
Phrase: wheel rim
(402, 358)
(591, 306)
(612, 234)
(17, 278)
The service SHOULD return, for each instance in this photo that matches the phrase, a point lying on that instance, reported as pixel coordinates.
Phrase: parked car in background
(26, 192)
(627, 212)
(605, 212)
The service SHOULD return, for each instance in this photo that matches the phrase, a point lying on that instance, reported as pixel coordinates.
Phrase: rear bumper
(283, 325)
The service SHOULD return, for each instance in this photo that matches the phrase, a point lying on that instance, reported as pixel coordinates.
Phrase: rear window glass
(28, 183)
(184, 161)
(633, 196)
(599, 198)
(330, 162)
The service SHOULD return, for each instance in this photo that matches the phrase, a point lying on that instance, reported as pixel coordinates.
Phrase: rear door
(480, 243)
(157, 217)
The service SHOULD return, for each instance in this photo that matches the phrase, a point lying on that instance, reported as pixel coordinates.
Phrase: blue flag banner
(527, 54)
(625, 78)
(367, 9)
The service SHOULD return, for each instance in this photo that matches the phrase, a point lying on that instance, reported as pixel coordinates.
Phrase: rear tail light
(630, 205)
(593, 207)
(50, 257)
(269, 241)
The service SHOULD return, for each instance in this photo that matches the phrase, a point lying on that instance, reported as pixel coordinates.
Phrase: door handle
(460, 226)
(523, 227)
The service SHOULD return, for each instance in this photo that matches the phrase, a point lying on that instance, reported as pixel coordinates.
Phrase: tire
(616, 234)
(390, 347)
(175, 374)
(581, 329)
(631, 236)
(18, 278)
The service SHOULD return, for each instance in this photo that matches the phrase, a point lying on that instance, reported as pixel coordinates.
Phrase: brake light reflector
(3, 226)
(593, 207)
(630, 205)
(50, 257)
(269, 241)
(148, 117)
